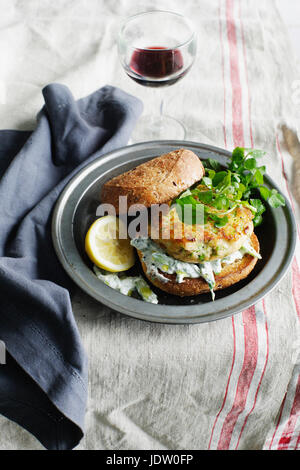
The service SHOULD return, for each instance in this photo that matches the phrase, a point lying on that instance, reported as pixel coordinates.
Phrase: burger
(203, 239)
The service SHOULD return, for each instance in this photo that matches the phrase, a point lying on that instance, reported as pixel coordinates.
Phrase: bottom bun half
(230, 274)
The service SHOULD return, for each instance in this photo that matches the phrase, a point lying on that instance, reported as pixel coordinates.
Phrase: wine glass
(156, 49)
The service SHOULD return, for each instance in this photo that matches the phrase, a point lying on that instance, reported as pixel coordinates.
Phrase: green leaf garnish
(219, 177)
(276, 200)
(260, 209)
(264, 192)
(207, 181)
(205, 196)
(190, 211)
(238, 155)
(221, 202)
(227, 189)
(255, 153)
(211, 174)
(219, 221)
(214, 164)
(250, 164)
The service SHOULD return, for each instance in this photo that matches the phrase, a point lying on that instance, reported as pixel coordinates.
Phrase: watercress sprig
(224, 190)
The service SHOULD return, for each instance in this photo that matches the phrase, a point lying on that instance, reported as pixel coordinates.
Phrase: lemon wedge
(105, 248)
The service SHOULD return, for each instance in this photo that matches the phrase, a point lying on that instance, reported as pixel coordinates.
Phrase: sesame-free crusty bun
(230, 274)
(157, 181)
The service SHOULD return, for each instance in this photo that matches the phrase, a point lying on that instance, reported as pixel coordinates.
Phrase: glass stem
(160, 102)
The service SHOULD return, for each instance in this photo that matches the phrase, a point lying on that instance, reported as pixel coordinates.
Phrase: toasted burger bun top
(157, 181)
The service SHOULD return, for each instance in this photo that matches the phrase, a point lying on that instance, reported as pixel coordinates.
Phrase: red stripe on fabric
(223, 75)
(290, 425)
(261, 377)
(246, 72)
(228, 382)
(245, 378)
(252, 145)
(237, 121)
(225, 143)
(249, 319)
(278, 421)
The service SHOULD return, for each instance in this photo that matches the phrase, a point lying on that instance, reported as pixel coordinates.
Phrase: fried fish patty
(197, 243)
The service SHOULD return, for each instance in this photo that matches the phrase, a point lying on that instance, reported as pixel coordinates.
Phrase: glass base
(157, 128)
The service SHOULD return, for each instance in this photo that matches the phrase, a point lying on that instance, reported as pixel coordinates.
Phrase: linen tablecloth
(230, 384)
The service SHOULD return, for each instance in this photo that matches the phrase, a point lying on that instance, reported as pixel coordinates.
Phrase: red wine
(153, 66)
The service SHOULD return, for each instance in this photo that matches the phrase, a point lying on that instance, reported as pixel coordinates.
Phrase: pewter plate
(75, 211)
